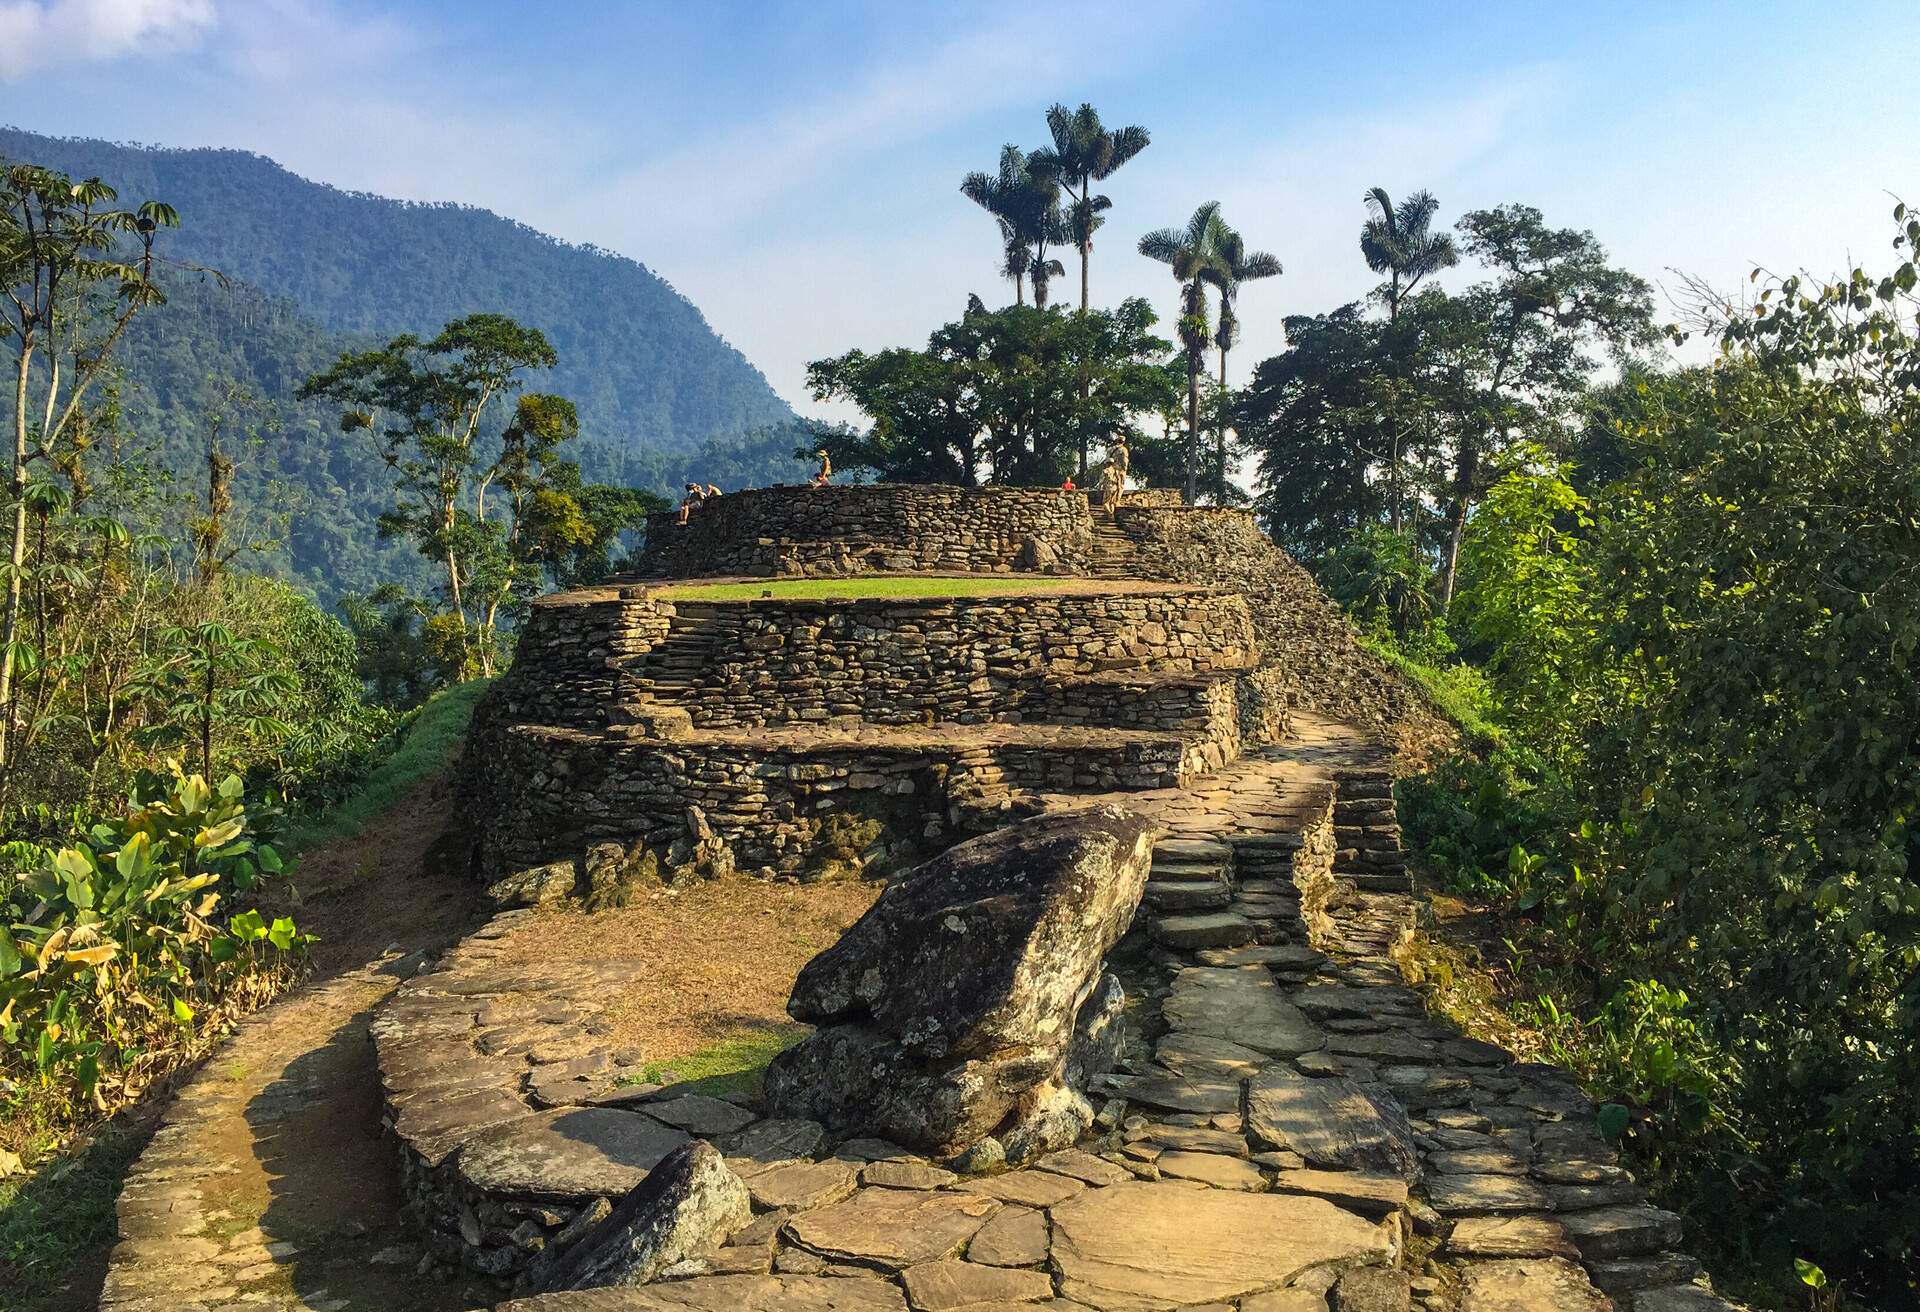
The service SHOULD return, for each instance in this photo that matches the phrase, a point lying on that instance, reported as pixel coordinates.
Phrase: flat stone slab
(1550, 1284)
(1083, 1166)
(907, 1173)
(696, 1113)
(1187, 894)
(1242, 1005)
(1027, 1188)
(1208, 929)
(1016, 1236)
(1361, 1191)
(942, 1286)
(1215, 1169)
(1178, 1093)
(1477, 1161)
(1197, 1138)
(567, 1153)
(1631, 1231)
(802, 1186)
(1473, 1194)
(1277, 956)
(1681, 1298)
(893, 1228)
(1510, 1236)
(749, 1293)
(1203, 1054)
(1145, 1247)
(1177, 850)
(776, 1140)
(1332, 1122)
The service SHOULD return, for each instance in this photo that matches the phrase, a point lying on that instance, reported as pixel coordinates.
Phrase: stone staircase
(671, 668)
(1114, 555)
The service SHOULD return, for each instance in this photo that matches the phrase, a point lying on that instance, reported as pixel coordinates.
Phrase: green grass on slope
(1459, 690)
(888, 585)
(55, 1223)
(426, 744)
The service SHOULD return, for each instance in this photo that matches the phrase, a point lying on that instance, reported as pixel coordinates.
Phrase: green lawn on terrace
(887, 585)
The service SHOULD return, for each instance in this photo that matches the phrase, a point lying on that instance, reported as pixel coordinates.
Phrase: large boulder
(688, 1204)
(948, 1013)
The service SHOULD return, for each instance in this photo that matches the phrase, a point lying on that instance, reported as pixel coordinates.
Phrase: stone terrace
(626, 707)
(1289, 1127)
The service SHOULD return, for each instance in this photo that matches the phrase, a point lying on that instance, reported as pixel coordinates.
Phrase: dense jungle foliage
(1677, 609)
(165, 701)
(1697, 614)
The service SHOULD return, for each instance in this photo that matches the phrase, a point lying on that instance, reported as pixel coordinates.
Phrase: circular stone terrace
(769, 719)
(1288, 1129)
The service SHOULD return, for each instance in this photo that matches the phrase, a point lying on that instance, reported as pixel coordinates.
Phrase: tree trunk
(1083, 280)
(1458, 514)
(11, 633)
(1220, 436)
(1193, 427)
(206, 722)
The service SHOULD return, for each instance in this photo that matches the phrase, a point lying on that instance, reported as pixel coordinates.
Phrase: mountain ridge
(651, 374)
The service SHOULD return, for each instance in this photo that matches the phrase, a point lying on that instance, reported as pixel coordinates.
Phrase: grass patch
(1459, 690)
(426, 740)
(732, 1065)
(55, 1223)
(887, 585)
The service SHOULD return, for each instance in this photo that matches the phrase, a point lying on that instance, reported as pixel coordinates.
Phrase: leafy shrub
(112, 958)
(1472, 822)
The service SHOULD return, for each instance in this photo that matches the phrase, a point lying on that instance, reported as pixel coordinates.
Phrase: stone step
(1378, 881)
(1191, 849)
(1188, 870)
(1208, 929)
(1187, 895)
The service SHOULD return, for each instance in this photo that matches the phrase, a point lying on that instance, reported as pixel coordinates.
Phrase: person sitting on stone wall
(826, 468)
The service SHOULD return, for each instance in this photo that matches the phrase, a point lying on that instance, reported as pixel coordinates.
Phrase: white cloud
(38, 34)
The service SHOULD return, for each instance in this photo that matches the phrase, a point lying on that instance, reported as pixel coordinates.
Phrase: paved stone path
(1289, 1131)
(263, 1188)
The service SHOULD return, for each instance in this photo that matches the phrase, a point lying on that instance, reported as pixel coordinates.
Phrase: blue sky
(793, 168)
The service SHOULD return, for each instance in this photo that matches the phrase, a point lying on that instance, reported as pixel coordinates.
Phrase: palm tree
(1024, 199)
(1193, 253)
(1398, 242)
(1086, 151)
(1235, 265)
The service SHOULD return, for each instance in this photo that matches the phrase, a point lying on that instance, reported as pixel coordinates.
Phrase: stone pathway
(266, 1186)
(1288, 1132)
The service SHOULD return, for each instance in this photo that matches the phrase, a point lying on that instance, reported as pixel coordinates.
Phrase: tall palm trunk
(1193, 426)
(1220, 437)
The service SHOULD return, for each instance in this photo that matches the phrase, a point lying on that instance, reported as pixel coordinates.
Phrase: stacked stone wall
(561, 793)
(881, 526)
(1298, 627)
(949, 660)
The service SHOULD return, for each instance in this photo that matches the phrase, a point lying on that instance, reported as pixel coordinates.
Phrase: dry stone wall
(958, 659)
(881, 526)
(561, 792)
(1297, 625)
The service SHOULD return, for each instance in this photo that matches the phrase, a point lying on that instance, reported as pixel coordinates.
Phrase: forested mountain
(307, 271)
(636, 357)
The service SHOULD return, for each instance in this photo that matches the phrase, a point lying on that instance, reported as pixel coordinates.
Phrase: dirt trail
(269, 1182)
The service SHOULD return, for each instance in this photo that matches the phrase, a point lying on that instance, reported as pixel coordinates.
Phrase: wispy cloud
(971, 72)
(36, 34)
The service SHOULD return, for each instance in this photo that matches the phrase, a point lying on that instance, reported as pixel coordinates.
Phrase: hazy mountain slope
(636, 357)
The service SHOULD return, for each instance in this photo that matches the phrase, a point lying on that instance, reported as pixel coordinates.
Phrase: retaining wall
(879, 526)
